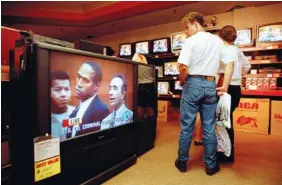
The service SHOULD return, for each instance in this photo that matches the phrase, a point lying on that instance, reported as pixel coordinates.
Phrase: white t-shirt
(202, 53)
(240, 63)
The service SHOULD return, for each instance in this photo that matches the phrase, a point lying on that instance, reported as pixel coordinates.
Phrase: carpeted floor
(258, 162)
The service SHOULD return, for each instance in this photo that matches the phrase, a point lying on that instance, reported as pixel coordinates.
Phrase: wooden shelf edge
(260, 48)
(262, 92)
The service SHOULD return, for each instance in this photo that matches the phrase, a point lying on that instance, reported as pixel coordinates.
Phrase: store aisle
(258, 162)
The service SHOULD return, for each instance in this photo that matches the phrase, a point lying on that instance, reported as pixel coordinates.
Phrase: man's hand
(221, 90)
(183, 72)
(227, 77)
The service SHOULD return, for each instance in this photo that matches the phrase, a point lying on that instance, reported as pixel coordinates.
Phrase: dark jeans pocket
(211, 96)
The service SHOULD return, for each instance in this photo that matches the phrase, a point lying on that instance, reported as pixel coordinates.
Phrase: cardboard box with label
(276, 118)
(163, 107)
(252, 115)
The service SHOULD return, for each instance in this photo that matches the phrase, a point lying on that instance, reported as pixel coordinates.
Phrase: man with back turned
(198, 66)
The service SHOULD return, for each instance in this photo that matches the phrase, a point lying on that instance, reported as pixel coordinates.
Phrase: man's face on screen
(60, 93)
(116, 93)
(85, 87)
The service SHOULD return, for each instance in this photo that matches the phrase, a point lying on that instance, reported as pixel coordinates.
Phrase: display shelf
(265, 62)
(262, 48)
(168, 78)
(263, 92)
(272, 75)
(174, 96)
(163, 56)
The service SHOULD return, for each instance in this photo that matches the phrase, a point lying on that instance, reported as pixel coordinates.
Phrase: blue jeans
(198, 95)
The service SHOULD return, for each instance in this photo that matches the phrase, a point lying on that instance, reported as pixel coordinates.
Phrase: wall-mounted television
(171, 68)
(125, 50)
(244, 37)
(163, 88)
(270, 33)
(160, 71)
(161, 45)
(177, 41)
(143, 47)
(177, 85)
(90, 101)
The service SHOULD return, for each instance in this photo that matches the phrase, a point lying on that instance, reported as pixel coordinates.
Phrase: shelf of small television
(262, 92)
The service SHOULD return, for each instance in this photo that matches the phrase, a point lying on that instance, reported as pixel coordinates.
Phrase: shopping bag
(223, 111)
(223, 141)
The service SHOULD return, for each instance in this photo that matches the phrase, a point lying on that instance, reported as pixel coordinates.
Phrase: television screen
(88, 94)
(177, 40)
(163, 88)
(160, 45)
(270, 33)
(171, 68)
(160, 71)
(177, 85)
(244, 37)
(142, 47)
(125, 50)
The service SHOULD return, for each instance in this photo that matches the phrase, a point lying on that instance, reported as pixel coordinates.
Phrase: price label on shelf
(157, 56)
(174, 78)
(269, 75)
(253, 87)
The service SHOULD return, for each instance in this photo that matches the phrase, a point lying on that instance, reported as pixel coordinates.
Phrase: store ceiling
(80, 19)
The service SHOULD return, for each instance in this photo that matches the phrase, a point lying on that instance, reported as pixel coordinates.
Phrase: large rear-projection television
(244, 37)
(171, 68)
(87, 100)
(95, 95)
(177, 41)
(270, 33)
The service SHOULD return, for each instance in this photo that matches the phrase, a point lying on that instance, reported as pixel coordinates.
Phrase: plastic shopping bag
(223, 141)
(223, 111)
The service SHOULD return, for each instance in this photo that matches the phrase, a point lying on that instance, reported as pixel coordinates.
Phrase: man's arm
(246, 66)
(228, 71)
(183, 72)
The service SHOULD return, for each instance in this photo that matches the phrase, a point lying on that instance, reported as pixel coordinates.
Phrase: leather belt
(208, 78)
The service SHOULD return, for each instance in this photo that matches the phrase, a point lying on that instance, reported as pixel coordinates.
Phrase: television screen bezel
(252, 40)
(149, 46)
(171, 40)
(267, 42)
(170, 74)
(168, 45)
(126, 56)
(168, 88)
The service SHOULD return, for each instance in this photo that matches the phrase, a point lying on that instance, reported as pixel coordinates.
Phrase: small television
(270, 33)
(161, 45)
(143, 47)
(177, 85)
(244, 37)
(171, 68)
(125, 50)
(177, 41)
(160, 71)
(163, 88)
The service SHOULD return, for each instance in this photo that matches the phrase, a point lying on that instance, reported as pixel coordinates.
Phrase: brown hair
(228, 33)
(194, 17)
